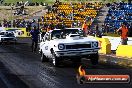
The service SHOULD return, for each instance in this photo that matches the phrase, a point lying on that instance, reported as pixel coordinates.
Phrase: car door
(45, 45)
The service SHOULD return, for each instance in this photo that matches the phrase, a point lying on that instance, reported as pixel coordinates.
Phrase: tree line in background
(51, 1)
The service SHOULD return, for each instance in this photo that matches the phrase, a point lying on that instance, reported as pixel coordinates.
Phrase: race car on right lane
(68, 44)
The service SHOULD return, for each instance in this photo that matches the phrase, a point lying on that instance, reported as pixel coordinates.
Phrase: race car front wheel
(55, 60)
(94, 59)
(1, 41)
(44, 58)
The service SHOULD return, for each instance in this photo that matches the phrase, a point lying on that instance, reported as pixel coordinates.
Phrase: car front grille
(77, 46)
(7, 39)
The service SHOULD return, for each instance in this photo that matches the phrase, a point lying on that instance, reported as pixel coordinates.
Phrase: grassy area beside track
(14, 1)
(115, 60)
(6, 13)
(51, 1)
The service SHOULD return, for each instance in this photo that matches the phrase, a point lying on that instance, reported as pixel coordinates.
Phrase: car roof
(6, 31)
(65, 28)
(57, 29)
(54, 29)
(73, 28)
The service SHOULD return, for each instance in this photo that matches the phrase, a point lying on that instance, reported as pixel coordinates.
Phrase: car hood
(73, 40)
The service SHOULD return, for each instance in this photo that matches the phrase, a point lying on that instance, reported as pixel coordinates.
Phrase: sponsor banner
(82, 78)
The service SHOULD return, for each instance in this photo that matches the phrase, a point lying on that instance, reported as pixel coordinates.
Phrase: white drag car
(61, 44)
(7, 36)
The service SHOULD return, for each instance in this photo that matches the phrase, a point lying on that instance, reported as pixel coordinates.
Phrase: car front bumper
(77, 52)
(8, 39)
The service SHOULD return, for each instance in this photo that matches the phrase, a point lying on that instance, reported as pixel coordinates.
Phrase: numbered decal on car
(46, 47)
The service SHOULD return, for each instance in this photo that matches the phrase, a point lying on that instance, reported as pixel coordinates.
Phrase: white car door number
(46, 47)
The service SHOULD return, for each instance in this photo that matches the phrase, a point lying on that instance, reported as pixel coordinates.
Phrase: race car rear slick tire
(1, 41)
(44, 58)
(94, 59)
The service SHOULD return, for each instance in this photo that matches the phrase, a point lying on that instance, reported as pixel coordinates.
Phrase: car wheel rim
(42, 56)
(54, 62)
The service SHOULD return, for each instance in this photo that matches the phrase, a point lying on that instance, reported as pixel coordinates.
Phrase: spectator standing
(98, 32)
(124, 33)
(48, 28)
(84, 27)
(43, 31)
(97, 27)
(34, 34)
(14, 23)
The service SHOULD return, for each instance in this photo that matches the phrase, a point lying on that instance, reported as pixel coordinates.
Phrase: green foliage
(51, 1)
(14, 1)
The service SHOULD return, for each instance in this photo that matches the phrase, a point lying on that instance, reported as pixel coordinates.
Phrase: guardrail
(105, 45)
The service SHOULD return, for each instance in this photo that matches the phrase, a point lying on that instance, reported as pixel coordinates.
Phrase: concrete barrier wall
(121, 50)
(19, 32)
(115, 41)
(124, 51)
(28, 34)
(105, 45)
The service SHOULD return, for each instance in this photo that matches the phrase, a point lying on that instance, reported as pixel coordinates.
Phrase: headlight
(94, 44)
(61, 46)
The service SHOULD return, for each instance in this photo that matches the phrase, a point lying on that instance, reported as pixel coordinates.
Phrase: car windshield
(1, 33)
(61, 34)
